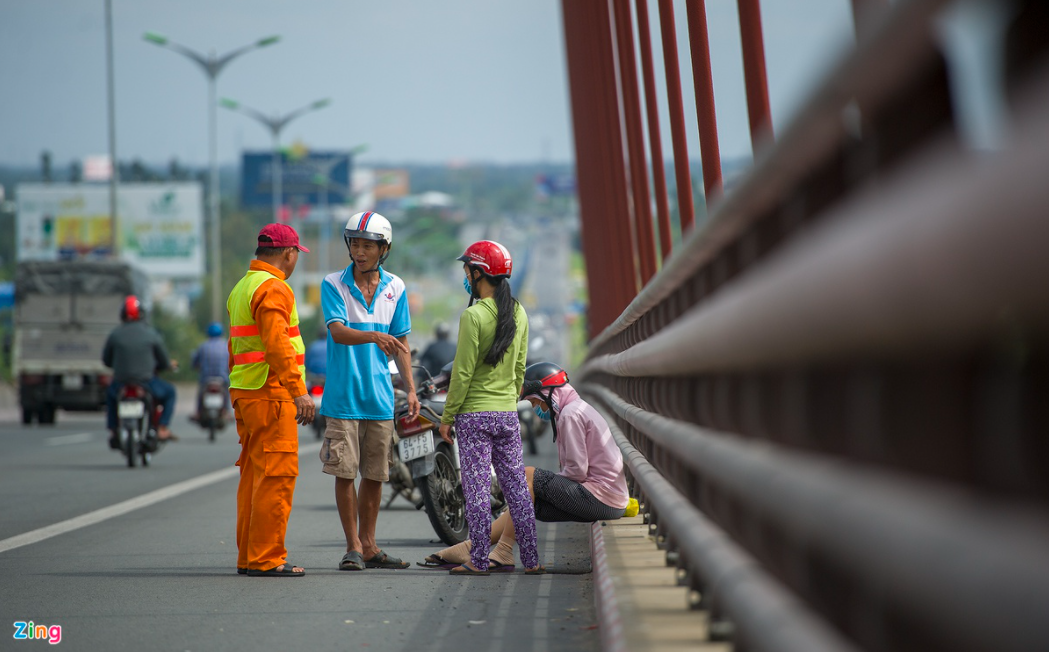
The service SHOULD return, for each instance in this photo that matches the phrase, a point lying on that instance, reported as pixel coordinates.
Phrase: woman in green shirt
(482, 404)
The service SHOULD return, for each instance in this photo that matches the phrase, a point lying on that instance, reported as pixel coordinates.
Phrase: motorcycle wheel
(442, 493)
(129, 447)
(211, 432)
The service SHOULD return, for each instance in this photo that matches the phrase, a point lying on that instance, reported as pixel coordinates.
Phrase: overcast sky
(416, 81)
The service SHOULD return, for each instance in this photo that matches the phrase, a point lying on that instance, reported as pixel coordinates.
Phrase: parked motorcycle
(432, 463)
(316, 391)
(213, 407)
(137, 415)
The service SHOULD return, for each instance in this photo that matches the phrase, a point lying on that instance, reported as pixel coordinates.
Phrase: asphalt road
(162, 576)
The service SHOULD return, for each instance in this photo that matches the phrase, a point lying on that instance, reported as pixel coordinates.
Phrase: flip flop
(436, 561)
(496, 567)
(352, 561)
(382, 560)
(538, 570)
(285, 571)
(242, 571)
(466, 570)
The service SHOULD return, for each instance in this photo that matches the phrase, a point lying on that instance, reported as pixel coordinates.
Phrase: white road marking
(119, 509)
(78, 438)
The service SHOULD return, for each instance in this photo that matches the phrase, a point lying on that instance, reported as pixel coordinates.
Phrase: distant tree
(76, 172)
(181, 337)
(45, 166)
(176, 172)
(139, 171)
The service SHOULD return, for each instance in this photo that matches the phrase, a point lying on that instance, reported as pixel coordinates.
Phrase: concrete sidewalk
(638, 601)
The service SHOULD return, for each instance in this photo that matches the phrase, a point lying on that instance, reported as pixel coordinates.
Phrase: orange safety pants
(269, 465)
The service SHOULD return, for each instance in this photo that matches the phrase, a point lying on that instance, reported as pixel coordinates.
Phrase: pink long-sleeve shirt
(586, 450)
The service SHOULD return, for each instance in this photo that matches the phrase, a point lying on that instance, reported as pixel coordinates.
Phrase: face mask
(467, 287)
(541, 413)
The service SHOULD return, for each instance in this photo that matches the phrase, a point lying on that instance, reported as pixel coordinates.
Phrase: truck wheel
(46, 415)
(27, 415)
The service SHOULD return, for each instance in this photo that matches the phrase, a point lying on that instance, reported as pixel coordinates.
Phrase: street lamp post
(275, 124)
(324, 180)
(212, 66)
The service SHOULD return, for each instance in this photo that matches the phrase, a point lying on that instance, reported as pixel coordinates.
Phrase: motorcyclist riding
(211, 359)
(440, 352)
(136, 352)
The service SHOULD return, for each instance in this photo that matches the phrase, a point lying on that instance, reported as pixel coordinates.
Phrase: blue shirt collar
(355, 292)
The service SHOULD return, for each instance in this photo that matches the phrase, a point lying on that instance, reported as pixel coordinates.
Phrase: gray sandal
(352, 561)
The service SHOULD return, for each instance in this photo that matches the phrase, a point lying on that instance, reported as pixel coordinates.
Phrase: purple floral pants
(486, 439)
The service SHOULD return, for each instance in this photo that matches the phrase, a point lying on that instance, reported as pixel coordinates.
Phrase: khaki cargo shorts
(357, 444)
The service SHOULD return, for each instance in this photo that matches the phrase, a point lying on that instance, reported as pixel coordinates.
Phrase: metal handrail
(944, 223)
(930, 548)
(770, 618)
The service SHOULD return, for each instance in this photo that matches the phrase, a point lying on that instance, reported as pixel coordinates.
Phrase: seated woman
(589, 487)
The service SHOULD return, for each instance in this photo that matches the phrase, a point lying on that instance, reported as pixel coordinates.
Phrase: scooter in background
(213, 406)
(432, 463)
(137, 417)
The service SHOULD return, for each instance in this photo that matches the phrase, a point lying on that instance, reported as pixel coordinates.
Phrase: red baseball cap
(281, 235)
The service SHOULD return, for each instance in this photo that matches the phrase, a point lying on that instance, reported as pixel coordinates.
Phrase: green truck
(64, 310)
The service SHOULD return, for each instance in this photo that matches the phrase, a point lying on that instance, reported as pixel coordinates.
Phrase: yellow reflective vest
(249, 354)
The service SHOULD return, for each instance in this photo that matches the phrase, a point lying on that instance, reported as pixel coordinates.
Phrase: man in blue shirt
(366, 311)
(211, 359)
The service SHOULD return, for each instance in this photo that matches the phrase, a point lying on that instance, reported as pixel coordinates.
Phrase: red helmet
(542, 375)
(490, 257)
(131, 310)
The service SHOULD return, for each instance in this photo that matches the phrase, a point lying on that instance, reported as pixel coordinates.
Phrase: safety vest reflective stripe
(252, 357)
(253, 329)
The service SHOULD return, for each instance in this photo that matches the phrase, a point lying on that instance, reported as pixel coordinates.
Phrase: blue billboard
(304, 179)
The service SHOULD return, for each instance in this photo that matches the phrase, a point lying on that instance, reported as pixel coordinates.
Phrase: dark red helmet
(490, 257)
(540, 376)
(131, 309)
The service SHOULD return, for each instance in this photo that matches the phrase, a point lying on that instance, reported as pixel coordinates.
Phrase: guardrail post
(754, 73)
(676, 108)
(709, 149)
(659, 182)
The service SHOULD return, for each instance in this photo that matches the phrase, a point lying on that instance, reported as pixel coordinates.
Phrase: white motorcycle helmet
(370, 225)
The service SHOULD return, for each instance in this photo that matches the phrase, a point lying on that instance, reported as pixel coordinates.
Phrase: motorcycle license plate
(131, 409)
(213, 401)
(414, 447)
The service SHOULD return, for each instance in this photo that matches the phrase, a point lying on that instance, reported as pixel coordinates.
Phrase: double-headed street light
(275, 124)
(212, 65)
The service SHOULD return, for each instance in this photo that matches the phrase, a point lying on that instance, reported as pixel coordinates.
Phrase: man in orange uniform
(268, 390)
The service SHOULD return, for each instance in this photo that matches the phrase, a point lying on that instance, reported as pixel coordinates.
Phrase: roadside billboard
(391, 184)
(302, 178)
(160, 230)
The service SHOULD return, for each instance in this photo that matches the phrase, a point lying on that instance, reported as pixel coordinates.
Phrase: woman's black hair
(505, 323)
